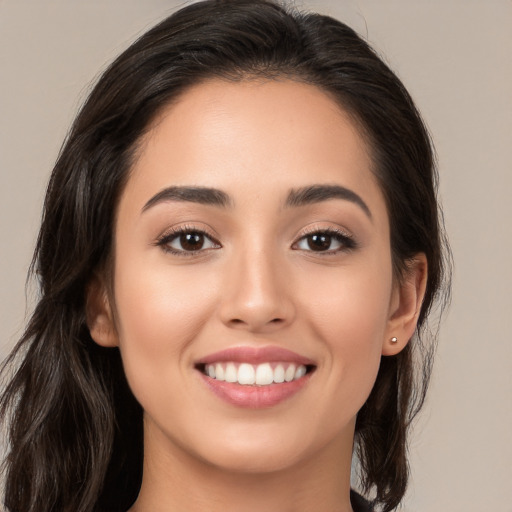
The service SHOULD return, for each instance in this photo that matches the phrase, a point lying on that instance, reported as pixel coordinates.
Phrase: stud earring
(394, 340)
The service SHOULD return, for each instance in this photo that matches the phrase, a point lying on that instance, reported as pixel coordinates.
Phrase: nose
(258, 296)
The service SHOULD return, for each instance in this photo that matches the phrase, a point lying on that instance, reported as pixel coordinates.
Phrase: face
(253, 288)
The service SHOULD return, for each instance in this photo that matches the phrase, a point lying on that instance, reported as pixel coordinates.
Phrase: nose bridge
(256, 295)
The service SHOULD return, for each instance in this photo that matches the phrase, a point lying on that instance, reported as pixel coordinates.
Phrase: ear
(405, 306)
(99, 314)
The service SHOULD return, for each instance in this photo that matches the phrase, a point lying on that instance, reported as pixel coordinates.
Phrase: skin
(258, 283)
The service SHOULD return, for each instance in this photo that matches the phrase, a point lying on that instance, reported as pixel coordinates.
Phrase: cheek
(155, 300)
(350, 305)
(159, 311)
(350, 315)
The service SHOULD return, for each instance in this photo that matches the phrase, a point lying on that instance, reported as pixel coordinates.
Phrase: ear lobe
(99, 314)
(406, 305)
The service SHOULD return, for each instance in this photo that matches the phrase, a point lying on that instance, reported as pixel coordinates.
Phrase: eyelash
(168, 237)
(345, 240)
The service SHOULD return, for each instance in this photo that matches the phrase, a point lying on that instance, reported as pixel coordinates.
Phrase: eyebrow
(296, 197)
(318, 193)
(201, 195)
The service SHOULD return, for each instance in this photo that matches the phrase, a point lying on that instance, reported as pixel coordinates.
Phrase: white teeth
(264, 374)
(246, 374)
(279, 374)
(300, 372)
(289, 374)
(261, 375)
(219, 371)
(231, 373)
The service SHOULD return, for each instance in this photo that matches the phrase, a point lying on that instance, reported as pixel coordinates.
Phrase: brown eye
(187, 241)
(191, 241)
(319, 242)
(329, 241)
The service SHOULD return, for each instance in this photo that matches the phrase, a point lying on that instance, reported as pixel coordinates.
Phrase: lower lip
(255, 397)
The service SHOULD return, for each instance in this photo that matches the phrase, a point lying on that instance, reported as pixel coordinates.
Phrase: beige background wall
(455, 57)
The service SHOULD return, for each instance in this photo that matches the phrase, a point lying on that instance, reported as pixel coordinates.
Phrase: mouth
(262, 374)
(255, 377)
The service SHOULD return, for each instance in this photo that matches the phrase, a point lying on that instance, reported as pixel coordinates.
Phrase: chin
(254, 460)
(253, 450)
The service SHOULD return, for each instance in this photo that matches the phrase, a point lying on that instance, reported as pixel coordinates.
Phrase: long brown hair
(75, 429)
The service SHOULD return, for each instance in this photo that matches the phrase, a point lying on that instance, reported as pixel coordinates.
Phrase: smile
(255, 377)
(263, 374)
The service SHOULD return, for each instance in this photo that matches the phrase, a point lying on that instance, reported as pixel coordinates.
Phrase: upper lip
(255, 355)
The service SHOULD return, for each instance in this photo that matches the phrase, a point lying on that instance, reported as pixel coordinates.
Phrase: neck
(177, 481)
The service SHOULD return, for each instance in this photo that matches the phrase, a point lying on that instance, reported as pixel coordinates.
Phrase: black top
(359, 504)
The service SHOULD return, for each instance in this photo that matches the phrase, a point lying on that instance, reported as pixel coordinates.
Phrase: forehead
(256, 110)
(253, 135)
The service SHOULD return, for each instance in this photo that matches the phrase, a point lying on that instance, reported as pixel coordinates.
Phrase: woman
(239, 250)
